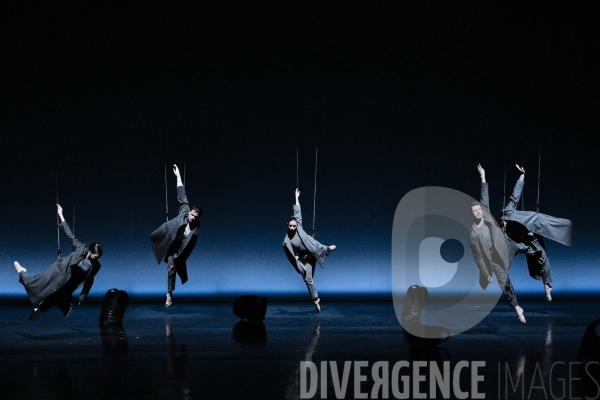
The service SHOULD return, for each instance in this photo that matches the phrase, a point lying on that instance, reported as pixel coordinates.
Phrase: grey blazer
(162, 238)
(316, 249)
(480, 250)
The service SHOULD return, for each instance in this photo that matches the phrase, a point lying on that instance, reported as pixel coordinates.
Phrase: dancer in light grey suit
(175, 239)
(303, 252)
(489, 248)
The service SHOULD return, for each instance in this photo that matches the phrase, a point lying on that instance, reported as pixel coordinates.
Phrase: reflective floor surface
(349, 350)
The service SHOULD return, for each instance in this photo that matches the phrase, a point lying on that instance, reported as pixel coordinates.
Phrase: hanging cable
(539, 172)
(166, 196)
(57, 221)
(315, 192)
(504, 194)
(56, 104)
(164, 137)
(73, 230)
(297, 180)
(523, 191)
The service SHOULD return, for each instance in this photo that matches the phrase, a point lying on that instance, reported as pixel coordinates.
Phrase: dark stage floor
(201, 350)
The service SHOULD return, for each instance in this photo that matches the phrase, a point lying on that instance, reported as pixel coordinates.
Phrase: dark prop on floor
(416, 333)
(250, 307)
(114, 305)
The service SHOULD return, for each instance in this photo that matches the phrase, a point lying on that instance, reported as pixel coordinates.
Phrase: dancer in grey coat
(303, 252)
(56, 283)
(489, 248)
(525, 232)
(175, 239)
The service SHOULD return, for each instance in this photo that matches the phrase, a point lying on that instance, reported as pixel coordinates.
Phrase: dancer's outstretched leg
(22, 271)
(508, 290)
(171, 275)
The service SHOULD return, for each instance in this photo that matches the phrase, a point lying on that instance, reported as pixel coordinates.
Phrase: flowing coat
(162, 238)
(56, 283)
(558, 229)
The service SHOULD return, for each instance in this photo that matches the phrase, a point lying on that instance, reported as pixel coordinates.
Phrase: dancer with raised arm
(489, 248)
(525, 232)
(303, 252)
(174, 240)
(56, 283)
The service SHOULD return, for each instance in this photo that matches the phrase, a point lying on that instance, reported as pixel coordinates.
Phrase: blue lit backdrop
(395, 100)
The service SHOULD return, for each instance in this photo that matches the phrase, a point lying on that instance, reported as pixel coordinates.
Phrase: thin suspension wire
(315, 192)
(56, 148)
(523, 192)
(57, 220)
(504, 194)
(73, 230)
(297, 180)
(166, 197)
(164, 132)
(539, 177)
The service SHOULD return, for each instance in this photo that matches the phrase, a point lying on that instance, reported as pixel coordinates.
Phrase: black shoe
(36, 312)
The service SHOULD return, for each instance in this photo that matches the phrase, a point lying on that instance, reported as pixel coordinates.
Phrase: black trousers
(171, 268)
(534, 253)
(171, 273)
(504, 280)
(505, 284)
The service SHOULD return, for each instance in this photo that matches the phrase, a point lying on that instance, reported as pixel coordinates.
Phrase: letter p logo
(430, 248)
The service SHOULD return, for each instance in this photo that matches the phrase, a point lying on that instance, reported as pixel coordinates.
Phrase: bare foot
(548, 289)
(332, 247)
(169, 301)
(19, 268)
(317, 306)
(520, 316)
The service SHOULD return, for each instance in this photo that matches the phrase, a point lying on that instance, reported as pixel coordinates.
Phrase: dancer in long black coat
(56, 283)
(174, 240)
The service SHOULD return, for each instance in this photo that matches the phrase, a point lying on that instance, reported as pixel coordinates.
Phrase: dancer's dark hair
(95, 248)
